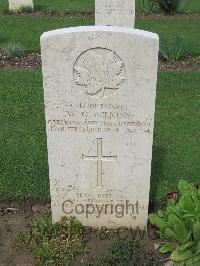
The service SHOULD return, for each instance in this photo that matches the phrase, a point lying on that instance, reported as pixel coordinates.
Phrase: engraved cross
(99, 158)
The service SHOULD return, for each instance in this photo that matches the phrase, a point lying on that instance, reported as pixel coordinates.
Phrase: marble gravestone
(99, 106)
(16, 4)
(115, 13)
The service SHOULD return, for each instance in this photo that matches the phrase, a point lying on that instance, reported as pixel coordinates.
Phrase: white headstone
(115, 13)
(99, 99)
(16, 4)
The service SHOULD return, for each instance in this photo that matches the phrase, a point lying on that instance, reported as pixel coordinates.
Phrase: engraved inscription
(99, 72)
(92, 118)
(115, 7)
(99, 158)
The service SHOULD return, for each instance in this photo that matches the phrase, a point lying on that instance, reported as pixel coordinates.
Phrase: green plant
(123, 252)
(177, 48)
(169, 6)
(179, 225)
(57, 243)
(14, 50)
(25, 9)
(6, 11)
(148, 6)
(185, 6)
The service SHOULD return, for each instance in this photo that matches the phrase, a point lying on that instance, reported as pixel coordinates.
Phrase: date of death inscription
(97, 118)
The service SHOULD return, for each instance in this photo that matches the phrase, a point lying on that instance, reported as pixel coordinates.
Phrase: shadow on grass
(157, 169)
(40, 7)
(3, 42)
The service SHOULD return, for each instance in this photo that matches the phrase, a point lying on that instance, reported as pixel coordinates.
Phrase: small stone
(38, 208)
(169, 263)
(156, 245)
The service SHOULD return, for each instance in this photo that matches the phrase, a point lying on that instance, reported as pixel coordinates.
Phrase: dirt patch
(188, 64)
(90, 14)
(33, 60)
(19, 216)
(99, 240)
(170, 17)
(15, 217)
(51, 13)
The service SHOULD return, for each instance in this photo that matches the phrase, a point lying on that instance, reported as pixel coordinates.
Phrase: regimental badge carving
(99, 72)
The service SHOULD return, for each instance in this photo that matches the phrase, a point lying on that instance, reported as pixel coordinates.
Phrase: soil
(188, 64)
(12, 222)
(89, 14)
(163, 16)
(19, 216)
(33, 60)
(50, 13)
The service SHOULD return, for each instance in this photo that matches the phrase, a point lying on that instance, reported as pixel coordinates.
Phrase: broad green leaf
(168, 233)
(197, 207)
(168, 247)
(171, 210)
(188, 215)
(195, 196)
(189, 262)
(181, 233)
(185, 186)
(171, 203)
(185, 246)
(186, 203)
(197, 248)
(189, 224)
(161, 214)
(157, 221)
(196, 258)
(194, 261)
(179, 255)
(196, 231)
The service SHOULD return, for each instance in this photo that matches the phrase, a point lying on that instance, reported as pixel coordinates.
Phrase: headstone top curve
(98, 28)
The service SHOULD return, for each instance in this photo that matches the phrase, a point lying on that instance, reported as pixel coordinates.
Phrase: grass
(65, 5)
(121, 252)
(24, 168)
(176, 140)
(58, 5)
(54, 244)
(190, 6)
(187, 30)
(31, 28)
(27, 30)
(59, 243)
(186, 6)
(13, 50)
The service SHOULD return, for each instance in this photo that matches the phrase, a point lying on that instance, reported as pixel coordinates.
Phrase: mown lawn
(23, 161)
(28, 30)
(187, 6)
(23, 164)
(190, 6)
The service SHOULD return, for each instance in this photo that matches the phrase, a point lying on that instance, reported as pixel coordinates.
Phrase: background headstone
(16, 4)
(99, 101)
(115, 13)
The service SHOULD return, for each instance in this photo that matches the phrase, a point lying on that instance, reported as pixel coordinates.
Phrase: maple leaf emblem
(99, 72)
